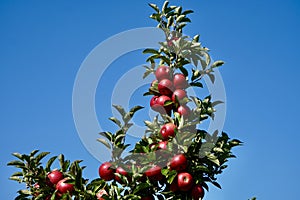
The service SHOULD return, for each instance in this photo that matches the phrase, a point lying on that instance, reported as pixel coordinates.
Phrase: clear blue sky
(43, 44)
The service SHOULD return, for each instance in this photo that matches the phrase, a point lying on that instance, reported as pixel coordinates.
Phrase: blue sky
(43, 44)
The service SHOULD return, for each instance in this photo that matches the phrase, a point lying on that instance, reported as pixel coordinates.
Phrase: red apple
(184, 181)
(197, 192)
(64, 187)
(163, 72)
(184, 111)
(122, 172)
(174, 185)
(154, 173)
(168, 130)
(54, 177)
(165, 87)
(157, 104)
(179, 81)
(106, 172)
(180, 94)
(162, 145)
(178, 162)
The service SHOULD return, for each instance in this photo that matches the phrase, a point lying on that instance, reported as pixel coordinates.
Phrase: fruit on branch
(180, 94)
(121, 172)
(174, 185)
(184, 111)
(163, 72)
(162, 145)
(54, 177)
(154, 173)
(165, 87)
(185, 181)
(168, 130)
(178, 162)
(63, 187)
(157, 104)
(197, 192)
(179, 81)
(106, 172)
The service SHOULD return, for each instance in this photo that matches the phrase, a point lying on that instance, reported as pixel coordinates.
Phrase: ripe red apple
(100, 194)
(154, 173)
(165, 87)
(184, 111)
(168, 130)
(106, 172)
(120, 171)
(185, 181)
(54, 177)
(162, 145)
(179, 81)
(178, 162)
(180, 94)
(174, 185)
(163, 72)
(64, 187)
(197, 192)
(157, 104)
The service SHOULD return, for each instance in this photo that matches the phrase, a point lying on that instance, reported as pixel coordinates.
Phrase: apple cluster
(171, 92)
(57, 181)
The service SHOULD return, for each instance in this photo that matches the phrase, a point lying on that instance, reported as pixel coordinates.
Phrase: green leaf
(216, 184)
(155, 7)
(184, 71)
(16, 163)
(153, 51)
(196, 84)
(49, 163)
(107, 135)
(116, 121)
(165, 6)
(217, 63)
(103, 141)
(41, 156)
(120, 109)
(168, 103)
(18, 155)
(186, 12)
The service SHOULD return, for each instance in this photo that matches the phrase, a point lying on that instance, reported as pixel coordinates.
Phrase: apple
(178, 162)
(106, 172)
(180, 94)
(157, 104)
(100, 194)
(179, 81)
(162, 145)
(154, 173)
(64, 187)
(184, 181)
(174, 186)
(122, 172)
(163, 72)
(165, 87)
(54, 177)
(168, 130)
(197, 192)
(184, 111)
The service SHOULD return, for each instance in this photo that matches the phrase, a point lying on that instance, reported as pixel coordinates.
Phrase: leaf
(216, 103)
(33, 152)
(18, 155)
(186, 12)
(107, 135)
(165, 6)
(213, 158)
(49, 163)
(141, 186)
(211, 77)
(153, 51)
(120, 109)
(168, 103)
(155, 7)
(217, 63)
(216, 184)
(196, 84)
(184, 71)
(103, 141)
(147, 73)
(16, 163)
(116, 121)
(41, 156)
